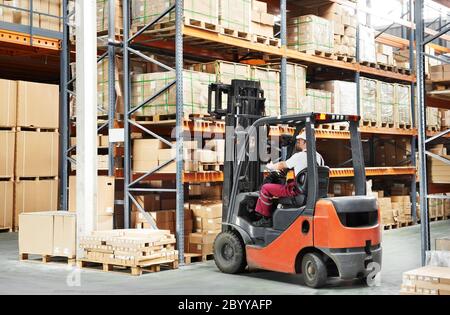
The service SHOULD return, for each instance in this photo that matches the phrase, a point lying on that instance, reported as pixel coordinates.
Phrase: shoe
(263, 222)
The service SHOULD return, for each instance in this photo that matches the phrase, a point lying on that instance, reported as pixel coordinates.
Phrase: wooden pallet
(405, 126)
(5, 230)
(193, 258)
(340, 127)
(404, 71)
(7, 128)
(345, 58)
(36, 178)
(387, 227)
(368, 123)
(369, 64)
(269, 41)
(386, 67)
(387, 125)
(432, 128)
(45, 259)
(214, 167)
(405, 224)
(151, 266)
(235, 33)
(36, 129)
(325, 126)
(201, 24)
(319, 53)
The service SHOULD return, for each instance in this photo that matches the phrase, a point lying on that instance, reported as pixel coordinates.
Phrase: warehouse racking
(199, 44)
(424, 101)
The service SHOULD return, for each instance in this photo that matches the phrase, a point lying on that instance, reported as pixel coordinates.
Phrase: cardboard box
(443, 244)
(65, 230)
(105, 195)
(105, 222)
(199, 238)
(205, 224)
(208, 210)
(7, 147)
(145, 154)
(8, 103)
(37, 154)
(149, 202)
(6, 204)
(48, 233)
(37, 105)
(36, 234)
(203, 249)
(35, 196)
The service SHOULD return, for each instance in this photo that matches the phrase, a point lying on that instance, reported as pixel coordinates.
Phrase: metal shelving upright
(421, 43)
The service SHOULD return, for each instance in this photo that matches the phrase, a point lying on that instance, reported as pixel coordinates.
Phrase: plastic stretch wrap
(309, 33)
(386, 101)
(368, 97)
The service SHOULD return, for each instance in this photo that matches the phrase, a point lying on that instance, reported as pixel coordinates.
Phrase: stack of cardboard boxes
(146, 11)
(262, 22)
(311, 33)
(344, 96)
(49, 20)
(439, 170)
(195, 92)
(103, 15)
(393, 152)
(385, 54)
(37, 148)
(385, 104)
(367, 47)
(207, 225)
(8, 105)
(318, 101)
(235, 16)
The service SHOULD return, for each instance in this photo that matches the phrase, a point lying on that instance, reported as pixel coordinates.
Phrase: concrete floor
(401, 253)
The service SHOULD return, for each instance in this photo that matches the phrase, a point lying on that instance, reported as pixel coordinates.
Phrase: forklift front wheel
(314, 270)
(229, 253)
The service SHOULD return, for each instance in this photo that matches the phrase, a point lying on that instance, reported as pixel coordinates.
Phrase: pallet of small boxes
(138, 250)
(434, 279)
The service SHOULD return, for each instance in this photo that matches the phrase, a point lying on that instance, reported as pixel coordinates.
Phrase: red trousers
(269, 191)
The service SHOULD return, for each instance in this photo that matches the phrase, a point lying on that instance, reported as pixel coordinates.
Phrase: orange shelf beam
(26, 40)
(374, 171)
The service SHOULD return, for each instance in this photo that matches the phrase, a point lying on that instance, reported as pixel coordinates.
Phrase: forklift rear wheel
(229, 253)
(314, 270)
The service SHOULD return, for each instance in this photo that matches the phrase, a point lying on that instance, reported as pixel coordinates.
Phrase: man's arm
(281, 166)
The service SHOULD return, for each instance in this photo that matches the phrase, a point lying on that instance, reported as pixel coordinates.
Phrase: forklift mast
(245, 104)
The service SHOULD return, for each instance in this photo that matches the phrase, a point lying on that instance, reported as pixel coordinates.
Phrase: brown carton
(209, 210)
(105, 195)
(205, 224)
(48, 233)
(36, 233)
(8, 101)
(37, 105)
(64, 241)
(6, 204)
(443, 244)
(35, 196)
(203, 249)
(199, 238)
(7, 147)
(37, 154)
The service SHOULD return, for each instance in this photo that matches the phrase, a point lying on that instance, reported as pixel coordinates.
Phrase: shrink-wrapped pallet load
(144, 12)
(310, 33)
(195, 88)
(368, 95)
(386, 101)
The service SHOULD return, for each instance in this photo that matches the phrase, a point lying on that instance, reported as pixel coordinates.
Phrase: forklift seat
(289, 209)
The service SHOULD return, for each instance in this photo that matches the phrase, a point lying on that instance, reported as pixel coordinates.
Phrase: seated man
(298, 162)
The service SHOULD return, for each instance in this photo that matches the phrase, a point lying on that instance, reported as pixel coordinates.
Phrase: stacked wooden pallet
(426, 281)
(137, 250)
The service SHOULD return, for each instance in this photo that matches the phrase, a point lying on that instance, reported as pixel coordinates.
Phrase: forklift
(311, 234)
